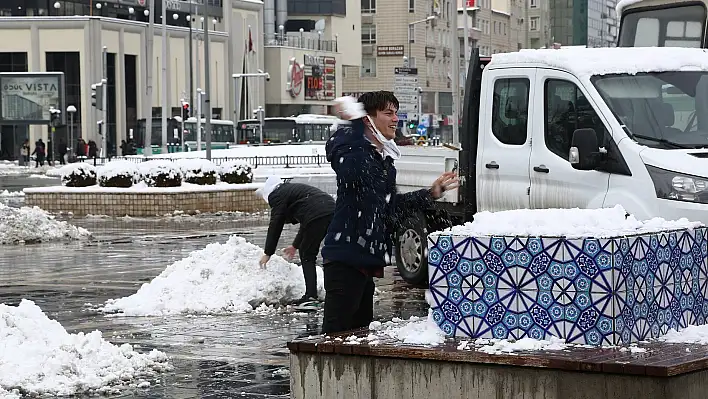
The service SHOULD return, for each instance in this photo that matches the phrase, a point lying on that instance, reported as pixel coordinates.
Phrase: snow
(5, 194)
(78, 168)
(221, 278)
(570, 223)
(156, 167)
(142, 187)
(246, 151)
(25, 224)
(690, 334)
(236, 167)
(112, 169)
(195, 167)
(585, 62)
(416, 331)
(501, 346)
(622, 4)
(39, 357)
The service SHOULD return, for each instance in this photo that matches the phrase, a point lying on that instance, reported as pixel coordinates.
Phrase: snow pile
(195, 167)
(39, 357)
(117, 168)
(54, 172)
(5, 193)
(27, 224)
(220, 278)
(570, 223)
(501, 346)
(416, 331)
(586, 62)
(688, 335)
(77, 172)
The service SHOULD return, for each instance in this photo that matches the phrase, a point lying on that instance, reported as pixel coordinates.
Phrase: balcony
(301, 41)
(474, 33)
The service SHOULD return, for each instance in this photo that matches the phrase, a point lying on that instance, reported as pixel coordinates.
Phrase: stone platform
(324, 368)
(610, 291)
(153, 201)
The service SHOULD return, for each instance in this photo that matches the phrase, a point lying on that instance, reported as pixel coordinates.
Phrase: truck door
(505, 140)
(566, 107)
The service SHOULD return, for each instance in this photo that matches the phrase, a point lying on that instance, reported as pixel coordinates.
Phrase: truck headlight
(679, 186)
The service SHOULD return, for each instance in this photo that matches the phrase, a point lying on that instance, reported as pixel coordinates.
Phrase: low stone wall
(149, 203)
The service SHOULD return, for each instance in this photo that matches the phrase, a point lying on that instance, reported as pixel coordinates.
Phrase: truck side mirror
(584, 149)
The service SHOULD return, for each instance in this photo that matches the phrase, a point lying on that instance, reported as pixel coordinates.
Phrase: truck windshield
(671, 26)
(663, 109)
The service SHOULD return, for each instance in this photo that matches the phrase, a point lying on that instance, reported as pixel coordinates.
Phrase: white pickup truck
(567, 128)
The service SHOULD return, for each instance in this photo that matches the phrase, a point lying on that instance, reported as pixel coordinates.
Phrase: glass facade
(317, 7)
(11, 137)
(583, 22)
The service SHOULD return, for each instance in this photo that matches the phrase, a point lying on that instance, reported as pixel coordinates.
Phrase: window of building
(368, 34)
(533, 3)
(368, 66)
(533, 23)
(368, 6)
(566, 110)
(510, 110)
(411, 33)
(69, 64)
(317, 7)
(411, 5)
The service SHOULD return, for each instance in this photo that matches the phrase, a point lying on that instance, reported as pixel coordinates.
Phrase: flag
(250, 41)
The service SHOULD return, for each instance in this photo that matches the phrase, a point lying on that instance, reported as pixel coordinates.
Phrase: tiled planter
(588, 291)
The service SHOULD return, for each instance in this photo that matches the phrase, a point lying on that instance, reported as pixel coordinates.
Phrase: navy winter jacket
(368, 205)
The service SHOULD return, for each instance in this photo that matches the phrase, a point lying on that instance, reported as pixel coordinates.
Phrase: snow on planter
(119, 173)
(39, 357)
(236, 172)
(595, 276)
(78, 174)
(29, 225)
(221, 278)
(160, 173)
(197, 170)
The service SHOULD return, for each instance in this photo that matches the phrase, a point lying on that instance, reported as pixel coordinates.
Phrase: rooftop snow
(601, 61)
(622, 4)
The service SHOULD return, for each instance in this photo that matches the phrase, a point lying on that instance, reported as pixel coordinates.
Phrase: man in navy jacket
(359, 240)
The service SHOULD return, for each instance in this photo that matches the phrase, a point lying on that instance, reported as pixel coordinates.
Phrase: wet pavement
(230, 356)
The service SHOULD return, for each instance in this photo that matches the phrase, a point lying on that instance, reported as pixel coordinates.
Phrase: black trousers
(313, 234)
(349, 303)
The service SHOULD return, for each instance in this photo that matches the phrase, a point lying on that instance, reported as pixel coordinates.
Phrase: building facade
(591, 23)
(394, 29)
(539, 24)
(42, 36)
(305, 42)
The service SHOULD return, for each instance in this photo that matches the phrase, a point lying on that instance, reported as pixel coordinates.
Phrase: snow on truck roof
(622, 4)
(603, 61)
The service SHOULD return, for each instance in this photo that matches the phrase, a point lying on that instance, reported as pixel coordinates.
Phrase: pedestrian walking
(312, 208)
(359, 240)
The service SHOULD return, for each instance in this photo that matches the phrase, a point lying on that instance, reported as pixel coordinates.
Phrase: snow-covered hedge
(160, 173)
(236, 172)
(79, 174)
(197, 170)
(117, 174)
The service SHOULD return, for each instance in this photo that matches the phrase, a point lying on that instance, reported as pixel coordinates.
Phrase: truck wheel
(411, 250)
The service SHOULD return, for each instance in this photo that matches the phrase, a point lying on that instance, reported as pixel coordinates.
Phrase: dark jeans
(313, 234)
(349, 303)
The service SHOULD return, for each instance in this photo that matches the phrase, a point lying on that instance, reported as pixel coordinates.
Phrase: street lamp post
(430, 18)
(71, 110)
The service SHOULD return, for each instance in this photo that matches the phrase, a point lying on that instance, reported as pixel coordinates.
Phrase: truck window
(670, 26)
(566, 110)
(510, 110)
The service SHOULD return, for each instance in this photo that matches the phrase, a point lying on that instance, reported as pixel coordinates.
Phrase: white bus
(222, 133)
(293, 129)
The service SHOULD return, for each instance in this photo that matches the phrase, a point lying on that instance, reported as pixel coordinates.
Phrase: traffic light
(97, 95)
(185, 110)
(54, 117)
(412, 125)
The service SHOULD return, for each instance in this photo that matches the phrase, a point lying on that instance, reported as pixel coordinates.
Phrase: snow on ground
(221, 278)
(571, 223)
(32, 224)
(688, 335)
(39, 357)
(8, 168)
